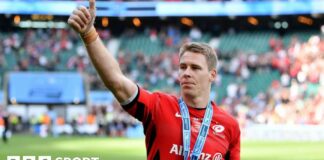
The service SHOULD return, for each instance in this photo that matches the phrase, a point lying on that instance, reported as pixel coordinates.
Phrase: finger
(92, 5)
(82, 16)
(85, 11)
(74, 24)
(78, 20)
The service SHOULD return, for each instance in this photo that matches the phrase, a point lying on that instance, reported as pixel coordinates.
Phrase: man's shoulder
(167, 96)
(226, 117)
(162, 95)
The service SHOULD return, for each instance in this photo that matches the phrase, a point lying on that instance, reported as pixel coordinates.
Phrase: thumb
(92, 8)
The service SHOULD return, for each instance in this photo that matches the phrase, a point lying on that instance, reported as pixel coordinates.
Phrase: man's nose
(187, 72)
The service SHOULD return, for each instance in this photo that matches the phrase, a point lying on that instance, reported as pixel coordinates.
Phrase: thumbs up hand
(82, 19)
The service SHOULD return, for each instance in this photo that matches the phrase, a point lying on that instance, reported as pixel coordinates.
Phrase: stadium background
(271, 73)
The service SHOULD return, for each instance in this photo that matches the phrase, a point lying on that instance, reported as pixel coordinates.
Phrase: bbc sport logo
(49, 158)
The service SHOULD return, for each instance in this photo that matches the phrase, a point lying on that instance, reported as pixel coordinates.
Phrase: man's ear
(212, 74)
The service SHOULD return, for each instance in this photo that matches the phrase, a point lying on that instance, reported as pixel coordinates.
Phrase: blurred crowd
(102, 120)
(296, 98)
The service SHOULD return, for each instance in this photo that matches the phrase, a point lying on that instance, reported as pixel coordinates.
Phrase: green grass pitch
(124, 149)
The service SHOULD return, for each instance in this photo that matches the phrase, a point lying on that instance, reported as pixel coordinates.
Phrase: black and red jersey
(161, 118)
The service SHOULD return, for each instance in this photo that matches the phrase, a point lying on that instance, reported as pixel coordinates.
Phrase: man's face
(194, 76)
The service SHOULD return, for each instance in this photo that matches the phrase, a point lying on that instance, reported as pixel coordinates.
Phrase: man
(191, 127)
(5, 117)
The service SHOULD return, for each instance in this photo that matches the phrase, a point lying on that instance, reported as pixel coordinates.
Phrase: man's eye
(195, 68)
(182, 67)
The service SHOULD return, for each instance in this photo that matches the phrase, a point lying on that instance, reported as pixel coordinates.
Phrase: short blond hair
(201, 48)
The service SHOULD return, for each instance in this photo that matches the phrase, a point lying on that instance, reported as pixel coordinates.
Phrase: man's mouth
(187, 83)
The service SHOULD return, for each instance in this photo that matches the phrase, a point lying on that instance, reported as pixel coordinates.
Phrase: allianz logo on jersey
(49, 158)
(178, 151)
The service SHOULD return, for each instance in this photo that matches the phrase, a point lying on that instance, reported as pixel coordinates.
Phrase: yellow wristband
(90, 36)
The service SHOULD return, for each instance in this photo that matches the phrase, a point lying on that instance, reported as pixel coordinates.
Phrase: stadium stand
(252, 84)
(265, 75)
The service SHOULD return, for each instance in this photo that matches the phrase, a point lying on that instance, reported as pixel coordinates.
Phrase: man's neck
(196, 102)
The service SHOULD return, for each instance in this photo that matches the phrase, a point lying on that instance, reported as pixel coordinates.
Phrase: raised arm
(82, 20)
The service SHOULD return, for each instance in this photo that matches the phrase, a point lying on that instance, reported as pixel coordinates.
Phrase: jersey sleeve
(235, 144)
(142, 106)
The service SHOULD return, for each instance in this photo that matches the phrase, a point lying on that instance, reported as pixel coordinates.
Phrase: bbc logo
(49, 158)
(29, 158)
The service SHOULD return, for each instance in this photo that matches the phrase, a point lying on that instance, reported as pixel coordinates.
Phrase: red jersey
(161, 118)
